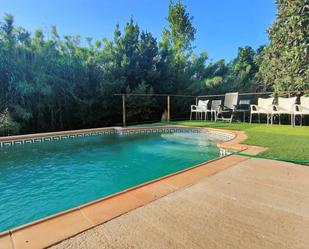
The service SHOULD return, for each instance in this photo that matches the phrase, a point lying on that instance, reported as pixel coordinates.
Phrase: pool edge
(87, 213)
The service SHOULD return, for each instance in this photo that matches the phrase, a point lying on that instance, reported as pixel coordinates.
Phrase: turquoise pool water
(37, 180)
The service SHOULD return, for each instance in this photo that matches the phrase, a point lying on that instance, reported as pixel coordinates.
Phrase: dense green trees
(244, 69)
(285, 62)
(49, 82)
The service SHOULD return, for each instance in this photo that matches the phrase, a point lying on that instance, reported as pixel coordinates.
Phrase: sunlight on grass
(283, 141)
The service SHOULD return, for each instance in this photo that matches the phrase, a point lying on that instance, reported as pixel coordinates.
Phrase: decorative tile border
(36, 140)
(213, 135)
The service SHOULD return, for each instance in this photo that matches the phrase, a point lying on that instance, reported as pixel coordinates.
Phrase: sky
(222, 26)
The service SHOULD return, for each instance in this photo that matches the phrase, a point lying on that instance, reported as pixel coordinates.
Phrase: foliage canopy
(50, 82)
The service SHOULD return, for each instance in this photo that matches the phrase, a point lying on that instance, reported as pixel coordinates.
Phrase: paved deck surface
(256, 204)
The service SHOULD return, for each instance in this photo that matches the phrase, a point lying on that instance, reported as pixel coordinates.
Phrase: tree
(7, 124)
(7, 32)
(175, 50)
(216, 77)
(181, 27)
(143, 108)
(244, 69)
(285, 62)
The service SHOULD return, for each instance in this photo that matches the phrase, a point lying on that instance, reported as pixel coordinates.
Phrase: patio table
(244, 111)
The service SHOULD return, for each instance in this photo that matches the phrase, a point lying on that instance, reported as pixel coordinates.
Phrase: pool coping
(53, 229)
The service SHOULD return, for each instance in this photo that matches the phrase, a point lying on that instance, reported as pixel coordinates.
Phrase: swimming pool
(43, 178)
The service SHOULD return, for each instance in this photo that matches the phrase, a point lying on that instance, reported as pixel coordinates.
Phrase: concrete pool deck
(257, 203)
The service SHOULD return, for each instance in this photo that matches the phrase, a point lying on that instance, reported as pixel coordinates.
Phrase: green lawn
(283, 141)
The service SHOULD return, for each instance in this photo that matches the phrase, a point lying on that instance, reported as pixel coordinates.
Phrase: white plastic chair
(230, 104)
(263, 107)
(284, 106)
(200, 108)
(302, 109)
(214, 109)
(215, 106)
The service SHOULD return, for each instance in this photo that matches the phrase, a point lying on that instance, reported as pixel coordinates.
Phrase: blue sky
(222, 26)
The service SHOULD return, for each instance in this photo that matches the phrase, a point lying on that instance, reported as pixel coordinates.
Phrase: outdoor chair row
(284, 106)
(217, 110)
(264, 106)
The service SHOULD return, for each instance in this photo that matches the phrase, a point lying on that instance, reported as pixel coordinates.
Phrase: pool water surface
(38, 180)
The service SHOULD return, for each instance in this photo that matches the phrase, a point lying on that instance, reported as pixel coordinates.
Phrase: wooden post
(168, 108)
(123, 110)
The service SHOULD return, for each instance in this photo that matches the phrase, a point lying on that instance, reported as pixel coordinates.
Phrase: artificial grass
(283, 141)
